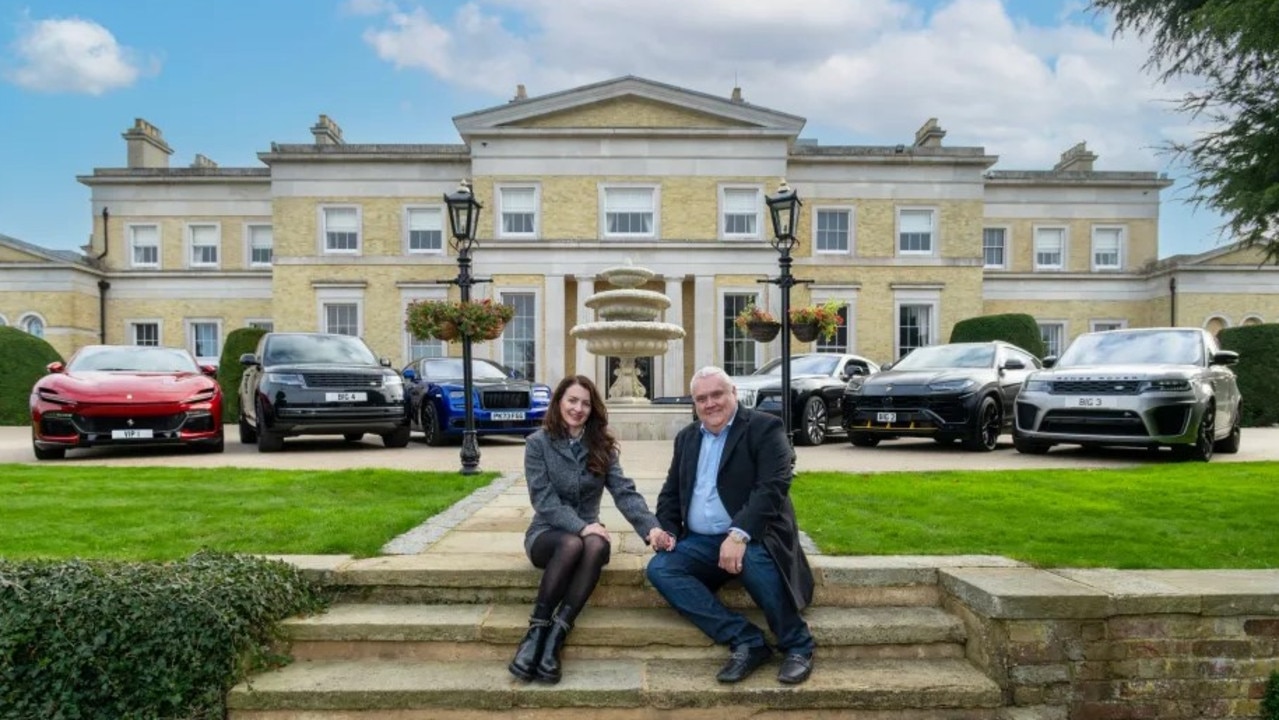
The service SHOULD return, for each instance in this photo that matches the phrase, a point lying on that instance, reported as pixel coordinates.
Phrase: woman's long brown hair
(601, 446)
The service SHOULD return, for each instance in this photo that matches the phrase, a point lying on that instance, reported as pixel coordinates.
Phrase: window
(145, 333)
(994, 248)
(740, 208)
(203, 340)
(915, 232)
(1053, 334)
(519, 337)
(1105, 325)
(914, 327)
(342, 318)
(267, 325)
(261, 245)
(144, 246)
(425, 348)
(1050, 248)
(341, 228)
(423, 229)
(517, 208)
(204, 241)
(32, 325)
(839, 342)
(1107, 248)
(832, 230)
(630, 211)
(738, 348)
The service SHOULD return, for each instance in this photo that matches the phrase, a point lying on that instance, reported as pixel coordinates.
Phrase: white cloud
(867, 72)
(72, 55)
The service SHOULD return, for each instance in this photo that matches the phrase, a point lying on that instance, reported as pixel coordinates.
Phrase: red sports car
(126, 395)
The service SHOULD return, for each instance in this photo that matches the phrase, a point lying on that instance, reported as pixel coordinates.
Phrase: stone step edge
(843, 684)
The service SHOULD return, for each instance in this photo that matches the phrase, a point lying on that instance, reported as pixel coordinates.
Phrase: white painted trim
(851, 212)
(1065, 334)
(934, 237)
(409, 295)
(1008, 247)
(603, 212)
(719, 319)
(915, 296)
(27, 317)
(405, 227)
(188, 236)
(539, 342)
(759, 211)
(130, 325)
(248, 244)
(846, 296)
(248, 322)
(498, 232)
(1252, 316)
(1123, 248)
(159, 245)
(321, 222)
(1224, 318)
(188, 323)
(1065, 248)
(1122, 323)
(339, 295)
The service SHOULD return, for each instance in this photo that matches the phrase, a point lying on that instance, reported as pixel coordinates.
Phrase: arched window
(33, 325)
(1216, 324)
(1253, 320)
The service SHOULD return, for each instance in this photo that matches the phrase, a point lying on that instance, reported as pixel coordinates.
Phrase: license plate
(507, 415)
(131, 434)
(346, 397)
(1089, 401)
(886, 417)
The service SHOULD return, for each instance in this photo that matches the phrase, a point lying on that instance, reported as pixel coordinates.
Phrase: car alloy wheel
(1205, 440)
(987, 426)
(431, 425)
(814, 422)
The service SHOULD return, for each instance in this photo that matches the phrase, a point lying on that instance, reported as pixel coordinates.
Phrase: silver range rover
(1152, 387)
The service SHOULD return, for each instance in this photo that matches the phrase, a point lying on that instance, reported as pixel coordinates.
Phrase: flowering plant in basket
(450, 320)
(826, 317)
(753, 314)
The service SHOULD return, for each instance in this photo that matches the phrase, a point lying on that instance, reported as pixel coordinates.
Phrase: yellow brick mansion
(341, 237)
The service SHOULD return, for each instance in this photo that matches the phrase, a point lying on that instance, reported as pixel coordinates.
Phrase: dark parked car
(319, 384)
(959, 391)
(504, 404)
(1147, 388)
(817, 391)
(126, 395)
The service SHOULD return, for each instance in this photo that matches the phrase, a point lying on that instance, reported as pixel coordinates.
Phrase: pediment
(13, 250)
(1233, 254)
(628, 103)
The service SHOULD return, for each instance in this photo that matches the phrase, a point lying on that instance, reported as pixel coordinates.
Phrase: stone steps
(634, 689)
(490, 632)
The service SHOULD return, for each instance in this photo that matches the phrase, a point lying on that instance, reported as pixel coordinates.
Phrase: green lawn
(1185, 515)
(166, 513)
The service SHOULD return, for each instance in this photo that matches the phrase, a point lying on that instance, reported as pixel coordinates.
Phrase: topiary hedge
(99, 639)
(1019, 329)
(1270, 701)
(230, 371)
(1258, 346)
(23, 357)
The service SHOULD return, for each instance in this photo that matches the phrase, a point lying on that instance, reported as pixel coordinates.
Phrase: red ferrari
(126, 395)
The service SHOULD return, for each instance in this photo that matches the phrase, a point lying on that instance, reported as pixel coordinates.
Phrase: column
(673, 382)
(552, 351)
(708, 315)
(585, 360)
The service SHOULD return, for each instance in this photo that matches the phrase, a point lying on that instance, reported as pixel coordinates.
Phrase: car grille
(56, 426)
(950, 410)
(1094, 422)
(504, 399)
(1096, 387)
(341, 380)
(93, 425)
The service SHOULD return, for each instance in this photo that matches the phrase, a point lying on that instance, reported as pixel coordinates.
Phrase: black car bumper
(909, 415)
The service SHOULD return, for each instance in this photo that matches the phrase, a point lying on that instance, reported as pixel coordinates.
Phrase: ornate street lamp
(784, 209)
(464, 216)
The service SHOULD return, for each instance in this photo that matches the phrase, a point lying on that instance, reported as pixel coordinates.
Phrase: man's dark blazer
(754, 484)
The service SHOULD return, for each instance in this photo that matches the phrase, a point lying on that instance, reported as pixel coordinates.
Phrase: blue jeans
(689, 576)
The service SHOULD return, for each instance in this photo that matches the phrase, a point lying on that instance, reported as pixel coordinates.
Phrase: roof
(69, 257)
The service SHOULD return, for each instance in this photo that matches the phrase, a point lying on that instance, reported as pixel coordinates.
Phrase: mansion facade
(341, 237)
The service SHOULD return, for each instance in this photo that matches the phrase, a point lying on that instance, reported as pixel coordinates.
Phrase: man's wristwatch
(737, 536)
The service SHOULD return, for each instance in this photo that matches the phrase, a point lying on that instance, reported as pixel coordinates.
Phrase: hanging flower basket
(805, 332)
(451, 321)
(763, 330)
(814, 321)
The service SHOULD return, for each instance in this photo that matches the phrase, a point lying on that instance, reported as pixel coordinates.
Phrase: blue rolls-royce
(504, 404)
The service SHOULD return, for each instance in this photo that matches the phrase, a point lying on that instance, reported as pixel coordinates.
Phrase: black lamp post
(464, 216)
(783, 207)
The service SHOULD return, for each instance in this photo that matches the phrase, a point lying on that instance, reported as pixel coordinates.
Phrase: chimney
(929, 134)
(520, 93)
(1076, 159)
(737, 94)
(326, 132)
(202, 161)
(147, 148)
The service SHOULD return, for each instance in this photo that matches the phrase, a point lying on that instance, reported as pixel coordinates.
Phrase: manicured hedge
(1019, 329)
(23, 357)
(238, 342)
(97, 639)
(1258, 348)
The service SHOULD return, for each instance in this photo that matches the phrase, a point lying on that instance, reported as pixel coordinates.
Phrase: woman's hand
(596, 529)
(660, 540)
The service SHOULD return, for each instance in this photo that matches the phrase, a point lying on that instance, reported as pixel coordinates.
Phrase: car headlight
(952, 385)
(280, 378)
(1037, 386)
(1166, 385)
(204, 395)
(457, 396)
(51, 396)
(746, 398)
(541, 396)
(392, 380)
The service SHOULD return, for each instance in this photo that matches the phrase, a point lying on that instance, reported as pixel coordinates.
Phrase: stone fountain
(627, 329)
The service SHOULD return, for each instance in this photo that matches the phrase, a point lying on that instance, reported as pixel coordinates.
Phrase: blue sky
(1025, 78)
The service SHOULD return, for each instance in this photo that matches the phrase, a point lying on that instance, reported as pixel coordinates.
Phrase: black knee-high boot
(524, 665)
(548, 667)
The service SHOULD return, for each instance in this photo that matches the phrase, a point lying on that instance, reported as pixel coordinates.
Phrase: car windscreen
(133, 359)
(302, 349)
(1174, 347)
(451, 369)
(940, 357)
(802, 365)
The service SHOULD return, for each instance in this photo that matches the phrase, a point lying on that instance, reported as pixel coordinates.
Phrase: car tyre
(1230, 444)
(353, 437)
(988, 424)
(397, 438)
(1026, 446)
(267, 440)
(812, 422)
(944, 439)
(216, 446)
(431, 429)
(248, 435)
(1205, 439)
(48, 453)
(863, 439)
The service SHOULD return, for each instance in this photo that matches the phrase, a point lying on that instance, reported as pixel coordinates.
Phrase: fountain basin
(637, 305)
(624, 338)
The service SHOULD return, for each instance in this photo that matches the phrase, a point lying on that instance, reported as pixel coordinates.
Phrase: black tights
(573, 565)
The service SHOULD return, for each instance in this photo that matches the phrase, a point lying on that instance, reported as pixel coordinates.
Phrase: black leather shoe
(744, 661)
(530, 649)
(795, 669)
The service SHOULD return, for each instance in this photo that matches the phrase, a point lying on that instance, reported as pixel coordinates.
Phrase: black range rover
(319, 384)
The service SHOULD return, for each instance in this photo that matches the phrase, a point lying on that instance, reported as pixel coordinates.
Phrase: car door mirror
(384, 362)
(1225, 357)
(1014, 364)
(1050, 360)
(55, 367)
(210, 370)
(248, 359)
(410, 374)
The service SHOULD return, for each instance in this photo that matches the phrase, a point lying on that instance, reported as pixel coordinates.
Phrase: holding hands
(660, 540)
